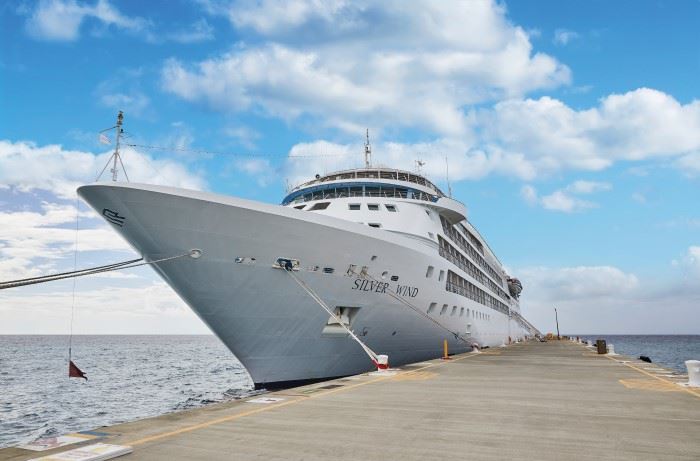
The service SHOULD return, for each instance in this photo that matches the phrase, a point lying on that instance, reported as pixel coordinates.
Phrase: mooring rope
(91, 271)
(372, 355)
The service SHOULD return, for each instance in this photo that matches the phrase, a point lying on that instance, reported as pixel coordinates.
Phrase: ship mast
(120, 130)
(368, 152)
(115, 157)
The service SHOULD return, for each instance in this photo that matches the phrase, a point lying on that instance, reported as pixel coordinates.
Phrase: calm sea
(667, 350)
(130, 377)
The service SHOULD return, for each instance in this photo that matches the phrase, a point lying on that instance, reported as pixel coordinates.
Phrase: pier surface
(555, 400)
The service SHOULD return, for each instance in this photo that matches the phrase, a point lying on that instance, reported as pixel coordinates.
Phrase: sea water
(133, 377)
(129, 377)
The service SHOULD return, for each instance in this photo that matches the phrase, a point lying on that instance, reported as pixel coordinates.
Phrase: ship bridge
(374, 183)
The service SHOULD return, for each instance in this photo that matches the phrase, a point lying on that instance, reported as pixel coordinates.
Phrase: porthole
(394, 278)
(384, 274)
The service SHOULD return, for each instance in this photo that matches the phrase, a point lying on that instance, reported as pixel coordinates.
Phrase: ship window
(429, 272)
(354, 206)
(431, 308)
(320, 206)
(373, 207)
(384, 274)
(467, 312)
(441, 277)
(375, 224)
(391, 208)
(431, 235)
(461, 311)
(328, 270)
(444, 309)
(394, 278)
(300, 207)
(454, 310)
(427, 212)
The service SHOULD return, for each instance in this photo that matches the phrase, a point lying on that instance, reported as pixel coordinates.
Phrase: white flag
(104, 139)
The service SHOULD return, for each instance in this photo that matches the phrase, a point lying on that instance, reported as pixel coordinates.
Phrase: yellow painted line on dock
(269, 407)
(686, 389)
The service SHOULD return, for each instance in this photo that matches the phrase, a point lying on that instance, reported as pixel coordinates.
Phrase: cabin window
(441, 277)
(429, 272)
(454, 310)
(384, 274)
(444, 309)
(432, 307)
(300, 207)
(328, 270)
(394, 278)
(461, 311)
(391, 208)
(354, 206)
(320, 206)
(373, 207)
(375, 224)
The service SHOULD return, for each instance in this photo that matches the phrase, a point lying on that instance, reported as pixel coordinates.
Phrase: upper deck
(366, 182)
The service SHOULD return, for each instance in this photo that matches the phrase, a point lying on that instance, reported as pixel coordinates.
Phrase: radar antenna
(419, 164)
(115, 157)
(368, 152)
(447, 177)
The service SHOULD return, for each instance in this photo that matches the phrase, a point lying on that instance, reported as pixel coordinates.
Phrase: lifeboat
(515, 287)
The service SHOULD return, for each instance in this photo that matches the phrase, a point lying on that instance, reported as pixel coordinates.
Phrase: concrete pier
(555, 400)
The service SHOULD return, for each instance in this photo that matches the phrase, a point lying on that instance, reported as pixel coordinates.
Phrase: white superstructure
(362, 238)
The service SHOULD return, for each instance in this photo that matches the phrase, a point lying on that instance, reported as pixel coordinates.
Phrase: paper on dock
(95, 452)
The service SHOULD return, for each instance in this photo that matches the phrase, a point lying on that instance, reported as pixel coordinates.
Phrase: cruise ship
(394, 258)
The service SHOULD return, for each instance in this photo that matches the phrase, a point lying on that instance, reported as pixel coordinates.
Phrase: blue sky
(572, 130)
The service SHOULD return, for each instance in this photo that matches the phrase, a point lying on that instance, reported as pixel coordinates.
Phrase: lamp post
(556, 316)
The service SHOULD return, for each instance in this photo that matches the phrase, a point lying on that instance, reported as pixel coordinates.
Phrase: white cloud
(529, 194)
(33, 242)
(690, 164)
(147, 309)
(638, 125)
(588, 187)
(198, 31)
(27, 167)
(564, 36)
(607, 300)
(561, 201)
(61, 19)
(565, 199)
(349, 65)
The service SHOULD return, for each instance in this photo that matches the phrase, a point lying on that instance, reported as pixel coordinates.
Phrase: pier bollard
(382, 362)
(611, 349)
(602, 347)
(693, 367)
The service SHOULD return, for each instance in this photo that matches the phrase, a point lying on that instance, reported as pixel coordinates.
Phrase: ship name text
(382, 287)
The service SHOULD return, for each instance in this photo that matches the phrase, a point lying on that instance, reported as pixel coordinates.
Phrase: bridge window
(373, 207)
(354, 206)
(374, 224)
(391, 208)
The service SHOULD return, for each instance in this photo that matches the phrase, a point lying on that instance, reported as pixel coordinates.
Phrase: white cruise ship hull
(259, 312)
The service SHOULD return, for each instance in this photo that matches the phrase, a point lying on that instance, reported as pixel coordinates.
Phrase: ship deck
(555, 400)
